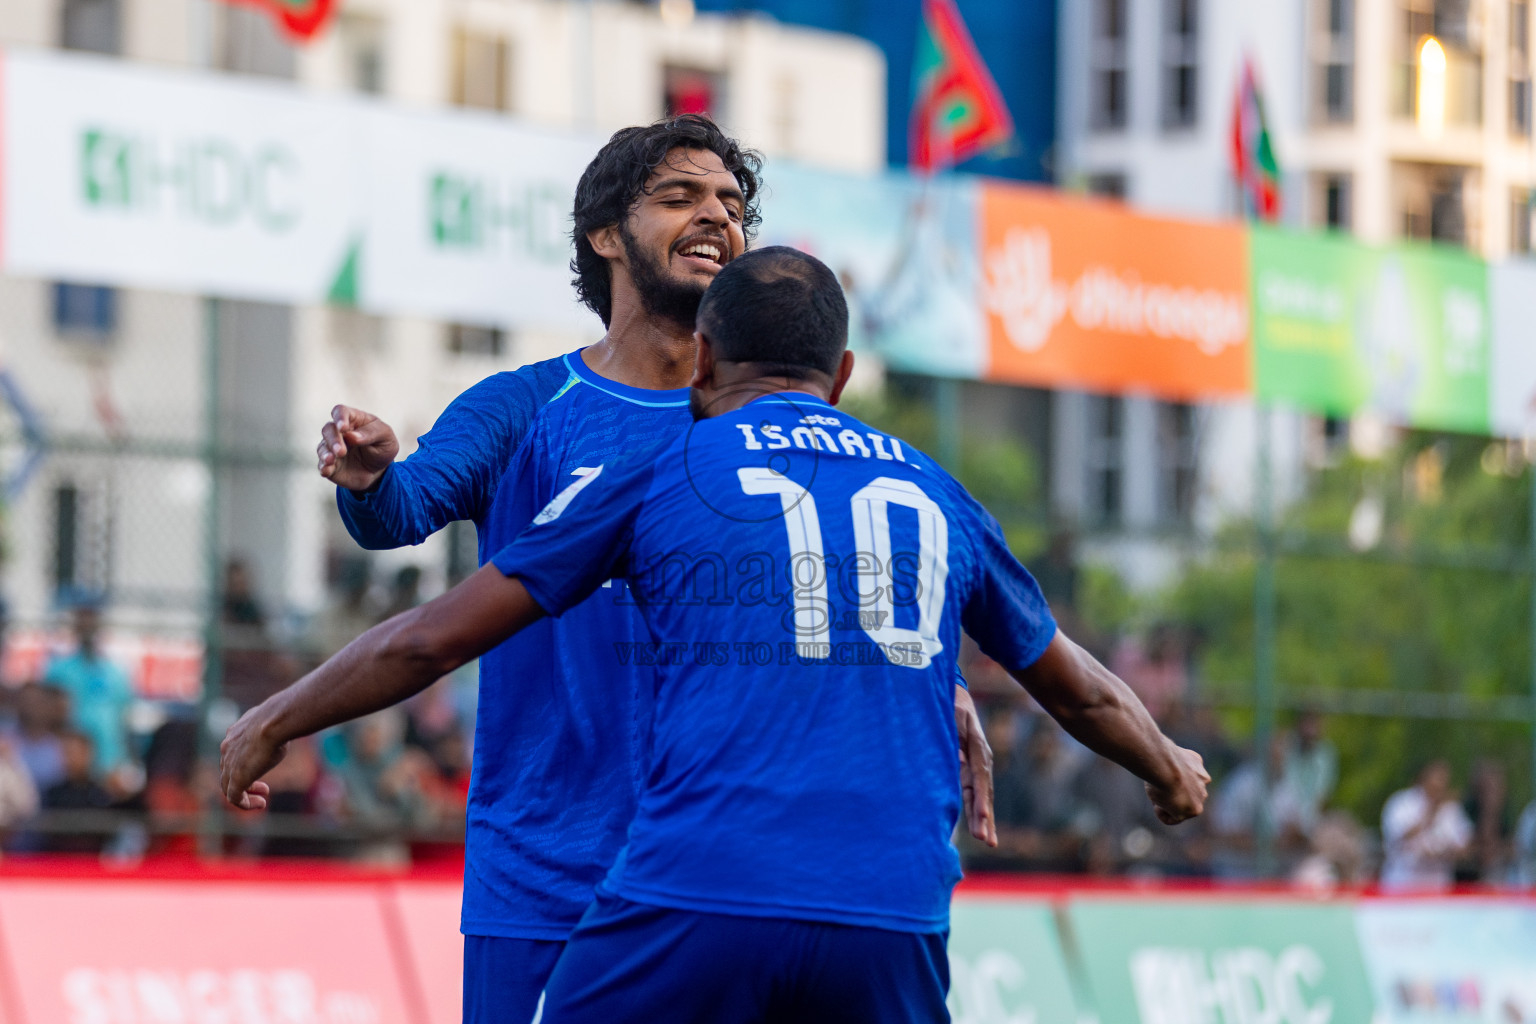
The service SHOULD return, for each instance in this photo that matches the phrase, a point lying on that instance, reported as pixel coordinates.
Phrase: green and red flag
(300, 20)
(1253, 151)
(957, 110)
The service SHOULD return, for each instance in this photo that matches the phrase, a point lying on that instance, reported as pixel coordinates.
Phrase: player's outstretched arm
(1096, 707)
(392, 661)
(355, 449)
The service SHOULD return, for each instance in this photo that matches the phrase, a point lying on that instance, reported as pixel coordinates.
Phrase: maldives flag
(957, 110)
(300, 20)
(1253, 154)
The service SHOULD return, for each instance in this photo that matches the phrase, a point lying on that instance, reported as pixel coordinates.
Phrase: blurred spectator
(42, 712)
(301, 793)
(1196, 727)
(1255, 801)
(1524, 872)
(1424, 831)
(1487, 807)
(172, 795)
(1155, 667)
(404, 592)
(1311, 763)
(78, 791)
(431, 715)
(241, 607)
(349, 615)
(386, 781)
(1337, 856)
(1034, 796)
(1125, 836)
(99, 695)
(18, 793)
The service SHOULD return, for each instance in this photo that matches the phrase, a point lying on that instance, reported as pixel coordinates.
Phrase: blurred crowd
(1063, 809)
(86, 767)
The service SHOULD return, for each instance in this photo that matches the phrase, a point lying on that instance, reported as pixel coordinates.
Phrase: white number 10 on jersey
(870, 507)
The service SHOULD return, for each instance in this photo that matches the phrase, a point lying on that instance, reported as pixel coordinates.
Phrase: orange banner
(1084, 294)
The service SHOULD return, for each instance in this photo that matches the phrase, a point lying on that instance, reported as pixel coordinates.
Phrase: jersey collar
(638, 396)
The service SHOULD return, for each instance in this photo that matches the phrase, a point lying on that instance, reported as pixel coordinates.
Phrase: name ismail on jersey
(814, 435)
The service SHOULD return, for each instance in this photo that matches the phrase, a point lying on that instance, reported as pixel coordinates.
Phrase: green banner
(1340, 327)
(1006, 965)
(1208, 962)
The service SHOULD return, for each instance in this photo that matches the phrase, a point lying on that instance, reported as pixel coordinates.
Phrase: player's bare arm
(394, 660)
(1096, 707)
(975, 770)
(355, 449)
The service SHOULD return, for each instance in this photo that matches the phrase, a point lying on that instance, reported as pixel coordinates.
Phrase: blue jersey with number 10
(805, 580)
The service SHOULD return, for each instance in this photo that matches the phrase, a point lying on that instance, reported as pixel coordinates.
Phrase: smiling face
(685, 225)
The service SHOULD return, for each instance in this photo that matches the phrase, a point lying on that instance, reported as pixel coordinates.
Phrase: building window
(1333, 205)
(1520, 68)
(93, 25)
(690, 91)
(1181, 63)
(1177, 451)
(1105, 459)
(1520, 216)
(1109, 184)
(1108, 99)
(1433, 201)
(470, 340)
(84, 311)
(1336, 62)
(481, 71)
(362, 44)
(1452, 24)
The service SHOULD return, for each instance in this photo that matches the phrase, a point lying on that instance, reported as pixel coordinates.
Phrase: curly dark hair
(612, 183)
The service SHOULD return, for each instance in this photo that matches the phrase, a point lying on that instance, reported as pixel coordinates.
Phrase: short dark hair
(780, 308)
(612, 183)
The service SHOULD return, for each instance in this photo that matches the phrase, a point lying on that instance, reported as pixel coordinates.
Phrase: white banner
(1512, 297)
(471, 220)
(131, 175)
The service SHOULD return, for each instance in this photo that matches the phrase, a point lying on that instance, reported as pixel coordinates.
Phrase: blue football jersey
(806, 580)
(557, 733)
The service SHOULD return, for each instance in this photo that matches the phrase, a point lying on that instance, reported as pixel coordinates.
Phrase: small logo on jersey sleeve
(562, 501)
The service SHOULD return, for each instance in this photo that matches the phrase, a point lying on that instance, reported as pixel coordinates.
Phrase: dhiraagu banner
(1006, 965)
(1340, 327)
(1199, 961)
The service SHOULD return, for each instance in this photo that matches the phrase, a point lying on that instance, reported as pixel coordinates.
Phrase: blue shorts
(504, 978)
(632, 962)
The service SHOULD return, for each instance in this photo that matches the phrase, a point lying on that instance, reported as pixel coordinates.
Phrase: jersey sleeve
(581, 538)
(1004, 611)
(454, 472)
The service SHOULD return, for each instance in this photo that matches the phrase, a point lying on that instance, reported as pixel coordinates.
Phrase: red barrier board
(87, 952)
(429, 918)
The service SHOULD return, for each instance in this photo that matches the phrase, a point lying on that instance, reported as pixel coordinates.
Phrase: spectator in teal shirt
(99, 693)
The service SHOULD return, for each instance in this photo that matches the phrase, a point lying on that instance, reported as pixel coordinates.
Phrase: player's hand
(244, 757)
(355, 449)
(975, 770)
(1183, 796)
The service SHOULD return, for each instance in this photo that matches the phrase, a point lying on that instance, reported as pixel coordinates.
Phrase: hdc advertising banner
(1340, 327)
(906, 251)
(1085, 294)
(470, 220)
(130, 175)
(1221, 962)
(1006, 964)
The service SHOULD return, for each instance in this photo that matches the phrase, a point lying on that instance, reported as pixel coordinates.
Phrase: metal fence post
(1264, 623)
(211, 830)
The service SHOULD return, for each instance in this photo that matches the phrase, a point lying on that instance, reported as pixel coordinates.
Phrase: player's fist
(1182, 795)
(355, 449)
(247, 754)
